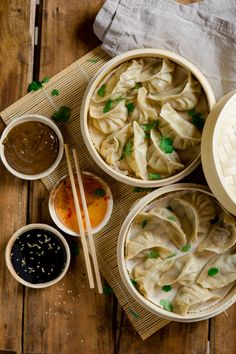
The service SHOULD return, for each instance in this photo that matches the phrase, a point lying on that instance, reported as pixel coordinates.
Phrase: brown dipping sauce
(31, 147)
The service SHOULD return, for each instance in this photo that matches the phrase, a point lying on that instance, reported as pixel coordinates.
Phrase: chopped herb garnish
(55, 92)
(148, 127)
(154, 176)
(99, 192)
(141, 189)
(146, 136)
(166, 145)
(138, 85)
(169, 208)
(108, 106)
(102, 90)
(135, 314)
(107, 290)
(127, 149)
(166, 305)
(215, 220)
(172, 255)
(144, 223)
(166, 288)
(45, 80)
(213, 271)
(152, 254)
(93, 60)
(130, 107)
(171, 218)
(133, 282)
(62, 115)
(35, 85)
(197, 118)
(186, 248)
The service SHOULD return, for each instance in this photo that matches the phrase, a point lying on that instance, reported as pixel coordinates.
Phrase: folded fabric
(203, 32)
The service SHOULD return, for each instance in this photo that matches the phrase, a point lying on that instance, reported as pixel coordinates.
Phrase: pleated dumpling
(183, 271)
(183, 134)
(219, 272)
(187, 298)
(145, 241)
(110, 121)
(143, 110)
(157, 76)
(186, 99)
(221, 237)
(167, 224)
(166, 164)
(112, 147)
(136, 159)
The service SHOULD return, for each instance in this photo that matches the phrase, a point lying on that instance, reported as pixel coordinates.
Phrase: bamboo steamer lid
(218, 151)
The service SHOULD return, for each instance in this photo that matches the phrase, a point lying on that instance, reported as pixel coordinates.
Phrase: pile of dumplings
(180, 252)
(142, 118)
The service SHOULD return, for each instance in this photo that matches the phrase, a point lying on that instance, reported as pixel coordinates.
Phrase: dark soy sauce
(38, 256)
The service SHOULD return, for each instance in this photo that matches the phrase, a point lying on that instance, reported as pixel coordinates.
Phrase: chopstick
(88, 224)
(79, 218)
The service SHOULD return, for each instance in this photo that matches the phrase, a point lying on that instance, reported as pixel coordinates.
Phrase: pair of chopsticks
(80, 222)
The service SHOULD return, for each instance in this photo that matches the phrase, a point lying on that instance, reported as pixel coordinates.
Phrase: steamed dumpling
(112, 147)
(183, 134)
(143, 110)
(157, 75)
(110, 121)
(225, 265)
(144, 241)
(188, 297)
(137, 159)
(167, 224)
(159, 161)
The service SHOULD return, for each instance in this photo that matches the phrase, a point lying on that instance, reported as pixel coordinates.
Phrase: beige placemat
(71, 83)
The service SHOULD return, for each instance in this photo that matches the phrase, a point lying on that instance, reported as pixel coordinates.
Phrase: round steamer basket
(218, 151)
(214, 310)
(104, 71)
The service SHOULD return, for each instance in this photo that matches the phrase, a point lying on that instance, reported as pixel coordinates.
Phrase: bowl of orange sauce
(98, 198)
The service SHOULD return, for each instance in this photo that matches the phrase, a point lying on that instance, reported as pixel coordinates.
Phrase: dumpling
(143, 110)
(110, 121)
(224, 272)
(183, 134)
(112, 147)
(159, 161)
(221, 237)
(188, 297)
(157, 75)
(167, 224)
(144, 241)
(183, 271)
(137, 158)
(186, 99)
(147, 273)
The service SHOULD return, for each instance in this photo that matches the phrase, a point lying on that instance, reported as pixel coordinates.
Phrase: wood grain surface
(69, 318)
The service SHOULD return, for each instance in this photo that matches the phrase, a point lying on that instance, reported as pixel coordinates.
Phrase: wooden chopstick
(79, 218)
(88, 224)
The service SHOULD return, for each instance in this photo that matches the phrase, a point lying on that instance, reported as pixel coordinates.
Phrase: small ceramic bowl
(32, 118)
(58, 221)
(61, 241)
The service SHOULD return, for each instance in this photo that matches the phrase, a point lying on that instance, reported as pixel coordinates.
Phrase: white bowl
(32, 118)
(214, 310)
(20, 232)
(57, 221)
(108, 67)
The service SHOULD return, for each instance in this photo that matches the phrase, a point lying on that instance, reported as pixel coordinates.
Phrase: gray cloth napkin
(204, 33)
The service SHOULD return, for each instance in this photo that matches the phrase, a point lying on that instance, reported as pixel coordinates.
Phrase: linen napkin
(203, 32)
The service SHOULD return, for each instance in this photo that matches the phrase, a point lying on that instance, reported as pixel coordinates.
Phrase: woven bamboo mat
(71, 83)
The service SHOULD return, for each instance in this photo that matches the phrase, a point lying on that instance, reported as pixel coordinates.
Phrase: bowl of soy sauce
(37, 255)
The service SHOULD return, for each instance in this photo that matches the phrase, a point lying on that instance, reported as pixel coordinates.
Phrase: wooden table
(68, 318)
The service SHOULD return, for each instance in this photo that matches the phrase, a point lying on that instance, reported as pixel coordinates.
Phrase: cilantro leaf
(144, 223)
(169, 208)
(166, 145)
(108, 106)
(186, 248)
(35, 85)
(172, 255)
(171, 218)
(45, 80)
(127, 149)
(62, 115)
(93, 60)
(166, 305)
(133, 282)
(154, 176)
(146, 136)
(130, 107)
(55, 92)
(102, 90)
(107, 290)
(138, 85)
(213, 271)
(99, 192)
(148, 127)
(166, 288)
(197, 118)
(152, 254)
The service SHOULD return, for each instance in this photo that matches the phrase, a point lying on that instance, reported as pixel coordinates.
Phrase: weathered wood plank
(16, 69)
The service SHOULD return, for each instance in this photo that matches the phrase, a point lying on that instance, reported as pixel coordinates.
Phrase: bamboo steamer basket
(104, 71)
(214, 310)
